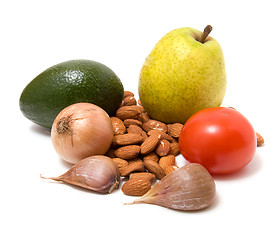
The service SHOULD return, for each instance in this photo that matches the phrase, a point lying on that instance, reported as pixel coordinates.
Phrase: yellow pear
(184, 73)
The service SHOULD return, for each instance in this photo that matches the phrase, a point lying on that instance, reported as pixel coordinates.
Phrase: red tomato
(221, 139)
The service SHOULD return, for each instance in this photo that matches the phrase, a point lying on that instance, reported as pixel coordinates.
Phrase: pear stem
(205, 33)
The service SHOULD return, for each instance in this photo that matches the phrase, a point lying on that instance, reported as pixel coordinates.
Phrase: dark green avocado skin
(67, 83)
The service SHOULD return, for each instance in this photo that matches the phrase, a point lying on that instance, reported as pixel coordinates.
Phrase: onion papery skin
(81, 130)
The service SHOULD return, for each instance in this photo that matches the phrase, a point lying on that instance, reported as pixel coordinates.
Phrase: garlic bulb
(97, 173)
(190, 187)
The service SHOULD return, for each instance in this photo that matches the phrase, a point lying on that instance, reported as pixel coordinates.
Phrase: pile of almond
(143, 149)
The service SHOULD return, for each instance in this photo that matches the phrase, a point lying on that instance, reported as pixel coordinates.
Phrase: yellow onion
(81, 130)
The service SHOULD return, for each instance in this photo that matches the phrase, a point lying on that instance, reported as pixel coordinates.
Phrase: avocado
(67, 83)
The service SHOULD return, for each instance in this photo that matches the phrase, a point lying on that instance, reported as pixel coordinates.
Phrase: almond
(118, 126)
(134, 129)
(174, 148)
(136, 187)
(150, 143)
(142, 109)
(138, 130)
(134, 166)
(175, 129)
(260, 140)
(154, 168)
(143, 117)
(120, 162)
(127, 152)
(169, 127)
(129, 101)
(128, 122)
(110, 152)
(154, 124)
(127, 139)
(151, 156)
(126, 112)
(163, 148)
(128, 94)
(170, 169)
(164, 135)
(166, 161)
(143, 175)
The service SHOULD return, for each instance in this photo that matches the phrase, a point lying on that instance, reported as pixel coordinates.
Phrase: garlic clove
(97, 173)
(190, 187)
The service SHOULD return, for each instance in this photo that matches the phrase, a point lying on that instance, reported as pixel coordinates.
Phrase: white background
(120, 34)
